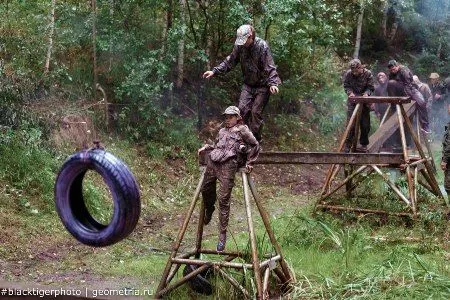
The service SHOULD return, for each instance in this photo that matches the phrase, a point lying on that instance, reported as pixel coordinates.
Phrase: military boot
(222, 241)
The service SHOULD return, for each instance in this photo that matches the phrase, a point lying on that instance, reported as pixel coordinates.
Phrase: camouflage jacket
(228, 141)
(359, 85)
(405, 76)
(438, 88)
(424, 89)
(257, 64)
(446, 145)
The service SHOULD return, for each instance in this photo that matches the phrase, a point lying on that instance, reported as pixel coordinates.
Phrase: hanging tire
(71, 206)
(198, 283)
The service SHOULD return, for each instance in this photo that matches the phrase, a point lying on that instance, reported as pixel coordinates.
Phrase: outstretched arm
(226, 65)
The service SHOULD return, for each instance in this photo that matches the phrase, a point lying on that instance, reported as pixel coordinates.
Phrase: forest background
(62, 61)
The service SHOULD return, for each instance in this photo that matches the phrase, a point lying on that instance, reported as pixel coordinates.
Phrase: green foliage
(27, 166)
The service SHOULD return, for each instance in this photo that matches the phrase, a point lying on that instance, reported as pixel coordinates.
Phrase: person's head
(434, 78)
(356, 67)
(382, 78)
(232, 116)
(245, 35)
(416, 80)
(393, 66)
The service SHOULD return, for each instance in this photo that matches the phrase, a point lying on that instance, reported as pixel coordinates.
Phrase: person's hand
(365, 95)
(202, 149)
(248, 168)
(437, 96)
(274, 89)
(351, 95)
(208, 74)
(443, 166)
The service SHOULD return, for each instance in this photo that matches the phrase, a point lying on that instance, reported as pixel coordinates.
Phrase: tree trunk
(167, 25)
(393, 31)
(209, 38)
(50, 37)
(393, 27)
(358, 30)
(180, 76)
(111, 43)
(94, 47)
(384, 20)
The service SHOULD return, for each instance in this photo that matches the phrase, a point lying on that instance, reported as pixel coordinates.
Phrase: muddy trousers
(252, 102)
(224, 173)
(364, 124)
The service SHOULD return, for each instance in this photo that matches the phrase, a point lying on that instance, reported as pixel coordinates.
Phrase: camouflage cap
(354, 63)
(232, 110)
(392, 63)
(242, 34)
(434, 76)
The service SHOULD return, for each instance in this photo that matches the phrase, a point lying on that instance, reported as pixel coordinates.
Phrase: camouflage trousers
(364, 124)
(251, 104)
(224, 173)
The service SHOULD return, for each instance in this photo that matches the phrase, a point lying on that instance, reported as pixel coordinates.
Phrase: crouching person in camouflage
(446, 159)
(235, 147)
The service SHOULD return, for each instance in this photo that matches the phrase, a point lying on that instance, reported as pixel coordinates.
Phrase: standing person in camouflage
(425, 90)
(235, 146)
(446, 159)
(402, 75)
(358, 81)
(438, 108)
(260, 75)
(381, 91)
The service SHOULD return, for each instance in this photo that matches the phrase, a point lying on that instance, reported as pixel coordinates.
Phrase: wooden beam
(372, 99)
(329, 158)
(388, 128)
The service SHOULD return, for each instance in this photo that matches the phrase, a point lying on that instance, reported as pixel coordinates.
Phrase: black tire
(72, 209)
(198, 283)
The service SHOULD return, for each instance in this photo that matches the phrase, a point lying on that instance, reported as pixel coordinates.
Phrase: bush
(26, 165)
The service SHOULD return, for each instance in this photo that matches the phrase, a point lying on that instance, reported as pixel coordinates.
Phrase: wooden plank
(329, 158)
(385, 131)
(372, 99)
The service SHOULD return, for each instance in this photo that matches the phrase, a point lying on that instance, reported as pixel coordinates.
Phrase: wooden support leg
(266, 221)
(414, 199)
(351, 123)
(405, 152)
(433, 183)
(198, 246)
(391, 184)
(266, 283)
(385, 115)
(233, 282)
(360, 169)
(427, 184)
(163, 283)
(361, 179)
(255, 258)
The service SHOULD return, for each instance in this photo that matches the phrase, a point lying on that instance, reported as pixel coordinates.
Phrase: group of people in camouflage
(433, 99)
(238, 143)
